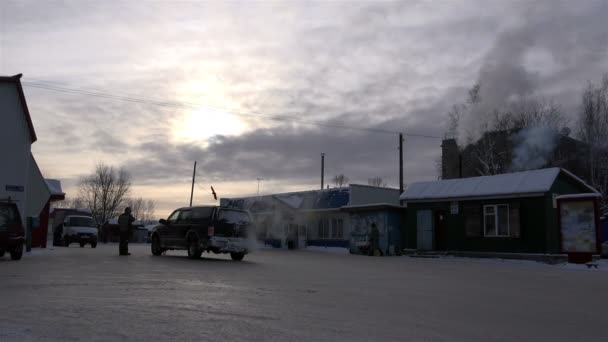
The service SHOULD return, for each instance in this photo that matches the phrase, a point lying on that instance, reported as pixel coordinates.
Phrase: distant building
(468, 161)
(328, 217)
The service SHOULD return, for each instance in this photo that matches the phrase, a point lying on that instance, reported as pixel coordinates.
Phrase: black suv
(199, 229)
(12, 234)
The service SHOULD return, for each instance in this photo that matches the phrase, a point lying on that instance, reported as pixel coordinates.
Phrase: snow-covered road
(72, 294)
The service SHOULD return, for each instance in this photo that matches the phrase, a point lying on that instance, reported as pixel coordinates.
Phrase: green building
(508, 213)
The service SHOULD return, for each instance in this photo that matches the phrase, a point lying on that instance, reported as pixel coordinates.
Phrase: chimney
(322, 170)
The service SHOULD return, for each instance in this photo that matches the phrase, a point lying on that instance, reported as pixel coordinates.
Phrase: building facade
(20, 178)
(508, 213)
(313, 218)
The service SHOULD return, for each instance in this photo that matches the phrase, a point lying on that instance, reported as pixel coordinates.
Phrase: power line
(169, 104)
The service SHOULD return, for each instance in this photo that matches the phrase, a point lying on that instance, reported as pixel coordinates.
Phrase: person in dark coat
(125, 223)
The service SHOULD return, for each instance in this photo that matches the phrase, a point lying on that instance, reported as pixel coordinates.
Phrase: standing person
(125, 220)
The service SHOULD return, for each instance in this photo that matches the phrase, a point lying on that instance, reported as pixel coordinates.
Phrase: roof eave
(474, 198)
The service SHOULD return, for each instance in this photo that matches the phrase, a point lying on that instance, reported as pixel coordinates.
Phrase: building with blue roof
(319, 217)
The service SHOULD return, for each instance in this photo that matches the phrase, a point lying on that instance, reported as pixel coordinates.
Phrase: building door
(301, 236)
(441, 233)
(424, 224)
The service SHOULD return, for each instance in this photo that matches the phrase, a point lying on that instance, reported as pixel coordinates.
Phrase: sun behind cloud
(200, 124)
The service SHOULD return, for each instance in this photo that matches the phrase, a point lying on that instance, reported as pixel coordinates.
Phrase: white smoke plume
(533, 148)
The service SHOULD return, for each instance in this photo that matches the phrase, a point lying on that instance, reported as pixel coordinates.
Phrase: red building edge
(40, 233)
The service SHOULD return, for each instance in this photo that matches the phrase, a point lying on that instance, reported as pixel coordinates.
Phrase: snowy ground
(72, 294)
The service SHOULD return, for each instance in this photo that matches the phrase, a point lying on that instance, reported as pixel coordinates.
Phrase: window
(323, 229)
(8, 215)
(82, 222)
(337, 228)
(496, 220)
(173, 217)
(202, 214)
(234, 216)
(185, 216)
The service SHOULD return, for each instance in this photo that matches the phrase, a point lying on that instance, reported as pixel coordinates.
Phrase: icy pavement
(74, 294)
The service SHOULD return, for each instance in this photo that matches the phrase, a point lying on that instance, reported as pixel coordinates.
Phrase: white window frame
(495, 206)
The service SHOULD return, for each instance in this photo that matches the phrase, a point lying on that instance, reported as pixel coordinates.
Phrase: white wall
(15, 143)
(363, 194)
(38, 192)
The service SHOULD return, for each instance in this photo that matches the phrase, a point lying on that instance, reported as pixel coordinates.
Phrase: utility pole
(400, 163)
(322, 169)
(259, 179)
(193, 178)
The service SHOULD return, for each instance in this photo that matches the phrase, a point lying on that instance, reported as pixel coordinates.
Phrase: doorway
(441, 234)
(424, 230)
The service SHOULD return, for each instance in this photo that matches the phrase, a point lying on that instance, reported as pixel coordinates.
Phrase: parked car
(79, 229)
(206, 228)
(12, 233)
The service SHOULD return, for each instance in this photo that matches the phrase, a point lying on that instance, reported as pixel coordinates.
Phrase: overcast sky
(396, 66)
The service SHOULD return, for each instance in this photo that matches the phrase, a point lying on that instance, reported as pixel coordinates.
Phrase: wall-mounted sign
(454, 208)
(14, 188)
(578, 226)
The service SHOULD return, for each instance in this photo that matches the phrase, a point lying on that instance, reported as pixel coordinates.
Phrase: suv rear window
(234, 216)
(8, 215)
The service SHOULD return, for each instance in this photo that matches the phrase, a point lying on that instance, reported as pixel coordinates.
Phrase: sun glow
(203, 123)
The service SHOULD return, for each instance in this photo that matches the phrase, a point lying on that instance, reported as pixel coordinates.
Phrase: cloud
(390, 65)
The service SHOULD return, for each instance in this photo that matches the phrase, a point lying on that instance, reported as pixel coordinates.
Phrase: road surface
(84, 294)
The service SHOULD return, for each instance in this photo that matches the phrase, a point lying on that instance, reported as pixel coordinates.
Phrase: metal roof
(28, 118)
(531, 183)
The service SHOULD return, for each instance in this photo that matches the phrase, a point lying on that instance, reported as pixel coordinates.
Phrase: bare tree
(487, 145)
(137, 207)
(377, 181)
(104, 191)
(148, 211)
(70, 202)
(143, 210)
(593, 129)
(340, 180)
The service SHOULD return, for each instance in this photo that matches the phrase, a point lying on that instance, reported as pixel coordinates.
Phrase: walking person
(125, 221)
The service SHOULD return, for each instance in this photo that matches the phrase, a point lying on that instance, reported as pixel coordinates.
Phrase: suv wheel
(17, 253)
(93, 244)
(237, 256)
(156, 248)
(1, 254)
(194, 250)
(82, 244)
(66, 242)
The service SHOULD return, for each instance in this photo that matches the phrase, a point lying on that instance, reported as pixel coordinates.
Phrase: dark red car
(12, 234)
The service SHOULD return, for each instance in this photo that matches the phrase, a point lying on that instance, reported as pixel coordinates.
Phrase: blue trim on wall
(329, 243)
(275, 243)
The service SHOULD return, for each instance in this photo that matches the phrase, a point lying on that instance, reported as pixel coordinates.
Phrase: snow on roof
(575, 196)
(517, 183)
(293, 200)
(55, 186)
(371, 206)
